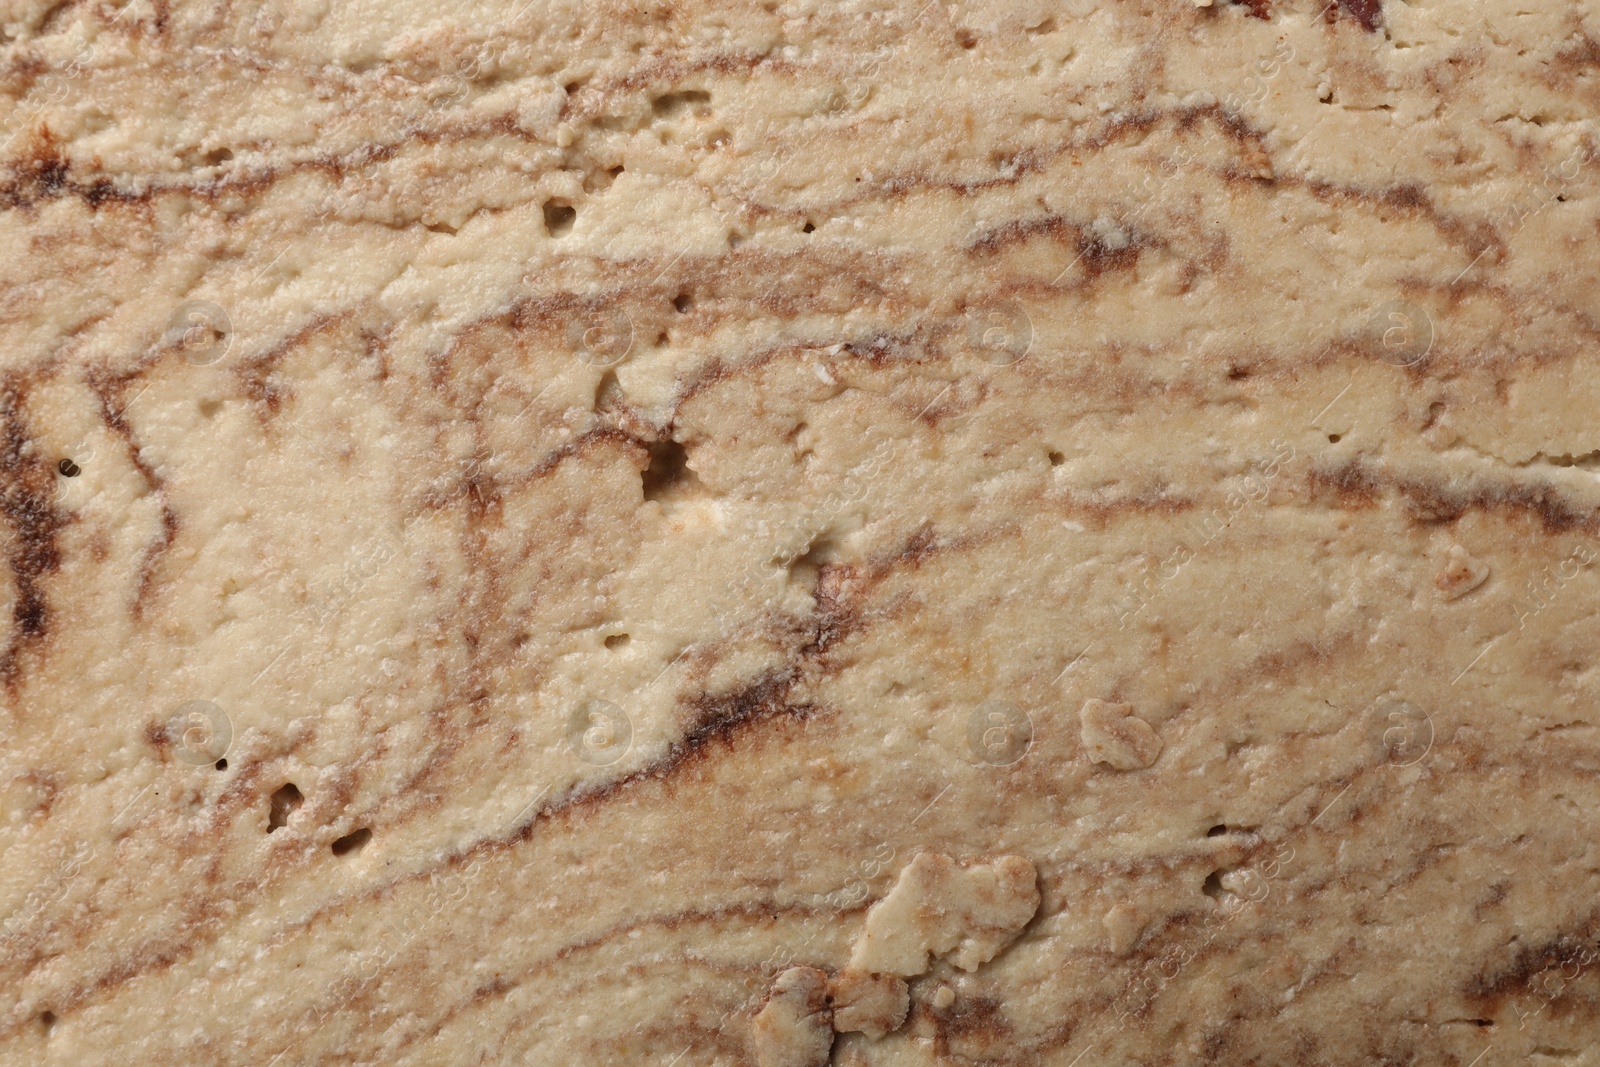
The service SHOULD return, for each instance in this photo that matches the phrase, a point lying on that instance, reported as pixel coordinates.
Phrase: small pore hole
(669, 474)
(669, 104)
(1333, 438)
(683, 302)
(69, 469)
(1217, 830)
(284, 804)
(1056, 458)
(352, 842)
(217, 156)
(47, 1019)
(806, 568)
(1213, 886)
(221, 764)
(616, 641)
(808, 228)
(966, 38)
(600, 180)
(559, 217)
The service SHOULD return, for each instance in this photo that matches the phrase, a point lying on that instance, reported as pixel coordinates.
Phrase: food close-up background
(786, 533)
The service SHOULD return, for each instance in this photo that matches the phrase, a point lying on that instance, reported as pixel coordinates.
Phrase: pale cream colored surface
(1113, 735)
(940, 910)
(623, 456)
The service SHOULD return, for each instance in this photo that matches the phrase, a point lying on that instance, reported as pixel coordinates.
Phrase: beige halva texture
(882, 533)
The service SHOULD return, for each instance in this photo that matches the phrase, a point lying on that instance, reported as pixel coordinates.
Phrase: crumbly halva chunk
(873, 1004)
(795, 1027)
(1113, 735)
(939, 909)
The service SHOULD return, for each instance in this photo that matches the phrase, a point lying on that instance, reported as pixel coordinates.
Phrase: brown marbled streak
(1367, 12)
(711, 275)
(1178, 933)
(755, 914)
(43, 173)
(715, 724)
(853, 603)
(34, 524)
(719, 721)
(1359, 484)
(586, 799)
(113, 392)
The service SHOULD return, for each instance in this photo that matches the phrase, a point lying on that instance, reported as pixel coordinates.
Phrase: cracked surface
(794, 1028)
(872, 1004)
(518, 526)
